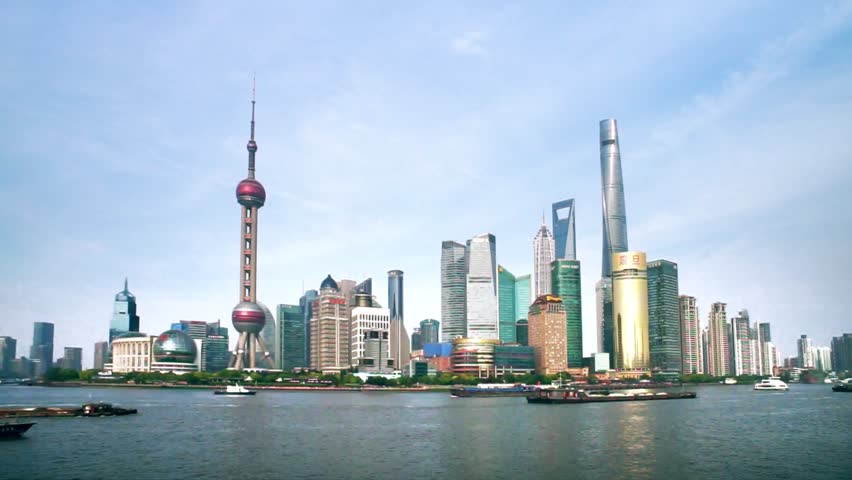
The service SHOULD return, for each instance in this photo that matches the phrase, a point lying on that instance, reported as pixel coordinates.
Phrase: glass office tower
(664, 317)
(506, 287)
(565, 279)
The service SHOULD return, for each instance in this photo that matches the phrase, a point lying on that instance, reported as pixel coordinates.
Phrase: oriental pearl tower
(248, 317)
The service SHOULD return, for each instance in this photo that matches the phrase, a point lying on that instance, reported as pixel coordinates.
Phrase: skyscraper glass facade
(522, 296)
(522, 331)
(453, 290)
(482, 306)
(124, 317)
(563, 230)
(41, 351)
(612, 189)
(429, 329)
(506, 286)
(8, 351)
(664, 317)
(565, 279)
(291, 323)
(306, 304)
(603, 298)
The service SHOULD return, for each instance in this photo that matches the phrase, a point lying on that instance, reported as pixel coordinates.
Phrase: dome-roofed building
(131, 335)
(175, 346)
(329, 283)
(131, 352)
(175, 351)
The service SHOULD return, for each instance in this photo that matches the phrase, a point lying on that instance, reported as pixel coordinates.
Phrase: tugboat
(10, 430)
(235, 390)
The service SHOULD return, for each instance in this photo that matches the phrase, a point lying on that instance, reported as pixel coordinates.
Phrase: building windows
(248, 244)
(248, 259)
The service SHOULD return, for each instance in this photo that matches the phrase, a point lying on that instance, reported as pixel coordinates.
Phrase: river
(727, 432)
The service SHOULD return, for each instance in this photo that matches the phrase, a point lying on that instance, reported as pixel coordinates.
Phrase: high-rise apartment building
(429, 330)
(400, 342)
(630, 312)
(306, 303)
(522, 296)
(371, 335)
(823, 358)
(543, 255)
(506, 298)
(547, 335)
(690, 336)
(805, 348)
(124, 317)
(41, 351)
(482, 305)
(565, 283)
(742, 346)
(705, 349)
(664, 317)
(101, 355)
(718, 350)
(72, 359)
(841, 353)
(765, 349)
(8, 351)
(291, 328)
(330, 333)
(563, 230)
(453, 290)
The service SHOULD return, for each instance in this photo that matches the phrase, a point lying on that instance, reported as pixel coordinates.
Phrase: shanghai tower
(612, 190)
(614, 230)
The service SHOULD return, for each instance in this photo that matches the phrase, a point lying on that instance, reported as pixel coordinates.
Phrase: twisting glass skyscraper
(482, 308)
(453, 290)
(612, 192)
(563, 230)
(614, 228)
(543, 256)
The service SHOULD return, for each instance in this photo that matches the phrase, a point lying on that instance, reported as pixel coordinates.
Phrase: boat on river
(493, 390)
(842, 386)
(582, 396)
(771, 384)
(235, 390)
(99, 409)
(11, 430)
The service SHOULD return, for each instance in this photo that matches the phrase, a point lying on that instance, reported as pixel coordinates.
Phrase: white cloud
(471, 42)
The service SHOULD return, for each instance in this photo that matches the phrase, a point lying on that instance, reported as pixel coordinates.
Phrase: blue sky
(386, 128)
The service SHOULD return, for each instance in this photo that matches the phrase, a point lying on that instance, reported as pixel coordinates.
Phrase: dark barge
(87, 410)
(10, 430)
(581, 396)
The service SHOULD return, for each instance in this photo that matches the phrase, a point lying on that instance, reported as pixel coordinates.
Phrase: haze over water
(727, 432)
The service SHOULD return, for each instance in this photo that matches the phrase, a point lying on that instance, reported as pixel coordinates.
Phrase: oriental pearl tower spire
(248, 317)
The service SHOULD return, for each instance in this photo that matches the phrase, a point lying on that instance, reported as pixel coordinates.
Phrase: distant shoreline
(437, 388)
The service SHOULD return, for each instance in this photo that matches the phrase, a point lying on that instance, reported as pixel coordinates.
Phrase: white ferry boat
(771, 383)
(235, 390)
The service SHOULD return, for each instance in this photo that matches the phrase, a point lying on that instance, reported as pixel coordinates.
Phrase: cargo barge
(87, 410)
(581, 396)
(493, 390)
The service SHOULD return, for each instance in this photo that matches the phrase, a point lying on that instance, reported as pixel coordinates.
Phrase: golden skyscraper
(630, 311)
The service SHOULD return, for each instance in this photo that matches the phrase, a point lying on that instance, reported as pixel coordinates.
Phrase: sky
(384, 128)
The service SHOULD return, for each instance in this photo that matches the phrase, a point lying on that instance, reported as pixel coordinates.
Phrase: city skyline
(725, 131)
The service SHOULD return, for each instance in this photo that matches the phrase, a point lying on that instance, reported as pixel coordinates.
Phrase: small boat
(771, 384)
(235, 390)
(8, 430)
(581, 396)
(102, 409)
(842, 386)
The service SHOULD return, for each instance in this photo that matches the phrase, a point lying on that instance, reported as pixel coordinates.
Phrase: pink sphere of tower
(250, 193)
(248, 317)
